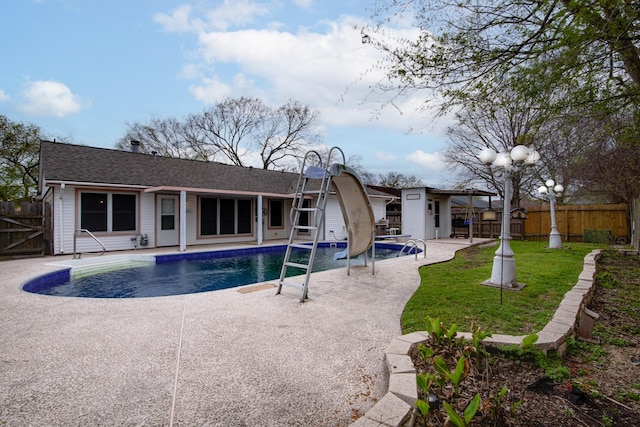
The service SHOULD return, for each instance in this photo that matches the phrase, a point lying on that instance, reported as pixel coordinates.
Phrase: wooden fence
(21, 229)
(576, 223)
(482, 227)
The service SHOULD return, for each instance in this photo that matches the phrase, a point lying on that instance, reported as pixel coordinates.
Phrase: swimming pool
(185, 273)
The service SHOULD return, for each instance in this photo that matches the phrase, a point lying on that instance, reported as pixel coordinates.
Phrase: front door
(167, 220)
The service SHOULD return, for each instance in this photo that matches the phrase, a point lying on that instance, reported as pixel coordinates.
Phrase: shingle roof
(79, 163)
(380, 190)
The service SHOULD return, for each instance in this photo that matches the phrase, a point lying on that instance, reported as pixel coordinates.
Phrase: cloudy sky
(82, 69)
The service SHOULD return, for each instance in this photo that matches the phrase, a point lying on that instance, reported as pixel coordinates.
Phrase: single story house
(128, 199)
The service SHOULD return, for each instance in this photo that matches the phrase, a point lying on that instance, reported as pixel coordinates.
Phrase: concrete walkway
(223, 358)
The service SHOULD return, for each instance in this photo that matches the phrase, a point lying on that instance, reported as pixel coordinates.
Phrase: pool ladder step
(293, 285)
(297, 265)
(80, 271)
(301, 246)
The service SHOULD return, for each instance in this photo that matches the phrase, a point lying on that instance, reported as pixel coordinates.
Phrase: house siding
(379, 209)
(192, 221)
(414, 207)
(147, 217)
(65, 219)
(335, 228)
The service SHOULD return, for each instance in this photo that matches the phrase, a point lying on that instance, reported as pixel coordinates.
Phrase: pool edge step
(80, 271)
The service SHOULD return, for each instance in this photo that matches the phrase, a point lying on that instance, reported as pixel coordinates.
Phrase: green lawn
(452, 291)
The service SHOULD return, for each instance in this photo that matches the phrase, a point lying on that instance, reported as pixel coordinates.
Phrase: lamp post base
(517, 286)
(555, 240)
(504, 270)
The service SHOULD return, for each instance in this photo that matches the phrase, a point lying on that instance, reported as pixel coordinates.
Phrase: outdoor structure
(129, 200)
(427, 211)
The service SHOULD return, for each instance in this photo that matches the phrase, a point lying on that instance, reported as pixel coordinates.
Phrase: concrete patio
(222, 358)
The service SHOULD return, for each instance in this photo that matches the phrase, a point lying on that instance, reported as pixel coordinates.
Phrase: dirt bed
(596, 384)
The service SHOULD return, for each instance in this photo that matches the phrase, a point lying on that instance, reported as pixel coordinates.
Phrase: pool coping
(76, 268)
(397, 407)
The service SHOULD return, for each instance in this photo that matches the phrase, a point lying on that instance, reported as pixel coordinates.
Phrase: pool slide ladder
(316, 181)
(311, 216)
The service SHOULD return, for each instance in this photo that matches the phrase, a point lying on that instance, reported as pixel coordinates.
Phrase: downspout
(61, 219)
(183, 221)
(259, 220)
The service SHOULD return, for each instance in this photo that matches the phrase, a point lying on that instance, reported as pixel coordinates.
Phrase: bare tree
(227, 129)
(399, 180)
(610, 168)
(499, 124)
(240, 131)
(286, 134)
(167, 137)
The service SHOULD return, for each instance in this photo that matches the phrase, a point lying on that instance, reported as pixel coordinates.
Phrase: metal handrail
(414, 243)
(84, 230)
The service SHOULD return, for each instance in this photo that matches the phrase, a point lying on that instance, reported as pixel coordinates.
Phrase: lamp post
(505, 165)
(550, 190)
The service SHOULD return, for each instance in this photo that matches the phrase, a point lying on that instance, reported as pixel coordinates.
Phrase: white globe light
(487, 156)
(558, 188)
(502, 160)
(542, 190)
(550, 183)
(519, 153)
(533, 158)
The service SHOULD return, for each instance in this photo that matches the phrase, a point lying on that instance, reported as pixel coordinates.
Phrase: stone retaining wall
(396, 408)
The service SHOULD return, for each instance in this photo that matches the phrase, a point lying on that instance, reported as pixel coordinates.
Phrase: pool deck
(235, 357)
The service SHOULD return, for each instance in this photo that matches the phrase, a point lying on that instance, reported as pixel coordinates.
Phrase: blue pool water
(186, 273)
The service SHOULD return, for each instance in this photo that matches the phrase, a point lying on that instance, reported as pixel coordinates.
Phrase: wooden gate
(21, 229)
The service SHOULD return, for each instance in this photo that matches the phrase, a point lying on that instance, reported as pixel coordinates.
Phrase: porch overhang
(192, 190)
(59, 182)
(467, 192)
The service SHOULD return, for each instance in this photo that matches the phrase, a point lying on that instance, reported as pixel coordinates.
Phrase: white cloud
(190, 72)
(331, 71)
(179, 20)
(235, 13)
(210, 88)
(4, 96)
(434, 162)
(305, 4)
(229, 13)
(385, 157)
(51, 98)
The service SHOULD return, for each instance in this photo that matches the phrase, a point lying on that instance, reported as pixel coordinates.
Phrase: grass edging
(396, 408)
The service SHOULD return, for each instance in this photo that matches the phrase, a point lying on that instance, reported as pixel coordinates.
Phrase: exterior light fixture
(504, 165)
(551, 190)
